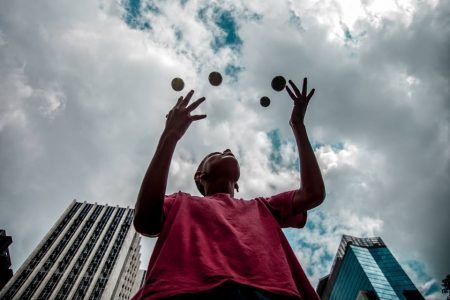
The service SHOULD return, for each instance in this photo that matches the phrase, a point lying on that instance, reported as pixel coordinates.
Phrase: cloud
(85, 87)
(317, 244)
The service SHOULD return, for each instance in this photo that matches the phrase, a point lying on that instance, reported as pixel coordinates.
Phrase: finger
(187, 99)
(310, 94)
(293, 97)
(305, 86)
(195, 104)
(179, 100)
(295, 88)
(197, 117)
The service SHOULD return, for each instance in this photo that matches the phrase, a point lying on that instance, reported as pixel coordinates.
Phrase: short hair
(199, 185)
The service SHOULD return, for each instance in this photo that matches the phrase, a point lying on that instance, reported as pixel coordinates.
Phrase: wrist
(297, 125)
(170, 136)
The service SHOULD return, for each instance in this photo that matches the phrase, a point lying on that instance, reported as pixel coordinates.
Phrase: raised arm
(148, 208)
(312, 189)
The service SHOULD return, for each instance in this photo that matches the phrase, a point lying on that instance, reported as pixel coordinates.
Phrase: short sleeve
(281, 207)
(169, 200)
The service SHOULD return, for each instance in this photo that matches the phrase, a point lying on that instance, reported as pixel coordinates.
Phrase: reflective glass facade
(351, 278)
(393, 272)
(366, 266)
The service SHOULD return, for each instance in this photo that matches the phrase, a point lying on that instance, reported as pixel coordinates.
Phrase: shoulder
(282, 196)
(176, 199)
(180, 195)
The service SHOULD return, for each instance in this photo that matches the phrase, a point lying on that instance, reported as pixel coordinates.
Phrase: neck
(220, 186)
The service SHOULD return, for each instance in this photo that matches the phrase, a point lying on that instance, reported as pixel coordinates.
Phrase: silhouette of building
(5, 261)
(92, 252)
(365, 269)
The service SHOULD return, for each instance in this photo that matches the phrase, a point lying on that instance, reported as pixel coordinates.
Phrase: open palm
(301, 100)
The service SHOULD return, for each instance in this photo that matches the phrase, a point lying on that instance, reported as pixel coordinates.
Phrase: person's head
(220, 169)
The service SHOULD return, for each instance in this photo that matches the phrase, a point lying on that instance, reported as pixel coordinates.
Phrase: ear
(236, 186)
(198, 176)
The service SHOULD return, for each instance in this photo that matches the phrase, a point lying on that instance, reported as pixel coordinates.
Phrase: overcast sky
(85, 86)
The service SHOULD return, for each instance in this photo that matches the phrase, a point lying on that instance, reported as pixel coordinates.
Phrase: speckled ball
(264, 101)
(177, 84)
(278, 83)
(215, 78)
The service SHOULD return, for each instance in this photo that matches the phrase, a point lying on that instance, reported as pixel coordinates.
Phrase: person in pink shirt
(217, 246)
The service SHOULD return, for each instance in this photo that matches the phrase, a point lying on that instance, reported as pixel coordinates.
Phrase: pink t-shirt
(206, 241)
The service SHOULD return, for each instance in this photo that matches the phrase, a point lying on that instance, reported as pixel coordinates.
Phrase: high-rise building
(5, 261)
(365, 269)
(92, 252)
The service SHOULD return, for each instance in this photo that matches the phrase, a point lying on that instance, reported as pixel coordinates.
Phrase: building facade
(92, 252)
(364, 268)
(5, 261)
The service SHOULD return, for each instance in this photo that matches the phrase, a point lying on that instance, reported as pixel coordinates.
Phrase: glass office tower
(364, 268)
(92, 252)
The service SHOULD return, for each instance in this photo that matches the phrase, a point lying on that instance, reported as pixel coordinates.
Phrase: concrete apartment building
(92, 252)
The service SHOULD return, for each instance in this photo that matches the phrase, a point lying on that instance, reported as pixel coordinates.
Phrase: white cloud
(317, 244)
(14, 91)
(83, 99)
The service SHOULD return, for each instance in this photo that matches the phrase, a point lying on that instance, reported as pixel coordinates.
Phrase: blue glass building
(364, 268)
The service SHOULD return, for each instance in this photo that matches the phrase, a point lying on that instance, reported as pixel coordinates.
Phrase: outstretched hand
(301, 101)
(179, 117)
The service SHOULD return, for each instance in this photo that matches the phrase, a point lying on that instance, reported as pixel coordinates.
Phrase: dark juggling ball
(177, 84)
(215, 78)
(278, 83)
(265, 101)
